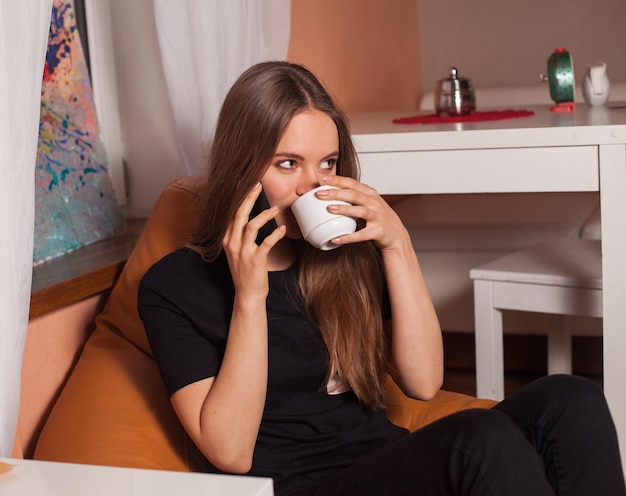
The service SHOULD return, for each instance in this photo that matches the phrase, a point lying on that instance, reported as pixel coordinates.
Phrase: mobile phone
(261, 204)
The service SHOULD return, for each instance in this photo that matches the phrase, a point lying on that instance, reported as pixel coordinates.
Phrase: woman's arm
(222, 414)
(416, 361)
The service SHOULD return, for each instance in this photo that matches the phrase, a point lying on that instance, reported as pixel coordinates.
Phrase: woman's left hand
(382, 224)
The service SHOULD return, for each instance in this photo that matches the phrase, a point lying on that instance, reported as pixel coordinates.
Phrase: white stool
(561, 276)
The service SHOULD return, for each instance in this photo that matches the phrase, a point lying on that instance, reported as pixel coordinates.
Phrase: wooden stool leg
(560, 348)
(489, 345)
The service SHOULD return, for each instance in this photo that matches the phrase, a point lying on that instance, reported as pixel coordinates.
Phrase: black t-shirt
(306, 435)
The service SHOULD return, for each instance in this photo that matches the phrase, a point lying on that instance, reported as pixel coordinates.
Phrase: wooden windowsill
(83, 272)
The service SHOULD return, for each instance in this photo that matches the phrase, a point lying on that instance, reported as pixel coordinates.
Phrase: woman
(274, 353)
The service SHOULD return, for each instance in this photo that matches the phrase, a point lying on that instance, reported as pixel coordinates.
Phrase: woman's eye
(286, 164)
(329, 164)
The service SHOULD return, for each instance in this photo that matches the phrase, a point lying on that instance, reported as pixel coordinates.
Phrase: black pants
(552, 437)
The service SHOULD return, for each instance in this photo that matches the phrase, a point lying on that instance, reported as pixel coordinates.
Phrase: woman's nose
(308, 181)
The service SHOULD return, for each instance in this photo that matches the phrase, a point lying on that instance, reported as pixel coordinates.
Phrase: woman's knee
(561, 406)
(568, 384)
(569, 391)
(482, 429)
(489, 446)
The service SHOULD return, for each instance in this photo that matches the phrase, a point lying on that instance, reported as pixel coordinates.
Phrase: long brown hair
(342, 288)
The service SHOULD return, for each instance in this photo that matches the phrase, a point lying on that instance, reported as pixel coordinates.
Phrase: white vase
(596, 87)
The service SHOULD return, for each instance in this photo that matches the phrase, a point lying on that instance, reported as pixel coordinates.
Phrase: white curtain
(24, 29)
(205, 46)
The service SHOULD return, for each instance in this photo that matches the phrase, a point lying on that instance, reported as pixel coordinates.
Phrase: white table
(580, 151)
(37, 478)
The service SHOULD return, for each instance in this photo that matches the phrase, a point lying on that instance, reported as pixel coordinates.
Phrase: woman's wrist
(402, 246)
(251, 302)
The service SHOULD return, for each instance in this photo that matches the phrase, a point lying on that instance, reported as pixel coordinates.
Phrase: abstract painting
(75, 203)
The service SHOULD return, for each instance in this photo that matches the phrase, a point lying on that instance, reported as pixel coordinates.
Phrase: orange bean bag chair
(114, 410)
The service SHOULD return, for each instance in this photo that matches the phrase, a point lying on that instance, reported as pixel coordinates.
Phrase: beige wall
(372, 54)
(375, 54)
(365, 51)
(507, 43)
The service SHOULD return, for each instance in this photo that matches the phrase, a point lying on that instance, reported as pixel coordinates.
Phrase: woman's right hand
(248, 261)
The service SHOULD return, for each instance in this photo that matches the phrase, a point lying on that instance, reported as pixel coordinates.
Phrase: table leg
(560, 347)
(489, 343)
(613, 208)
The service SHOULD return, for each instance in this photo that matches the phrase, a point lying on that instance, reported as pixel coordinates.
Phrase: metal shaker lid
(454, 82)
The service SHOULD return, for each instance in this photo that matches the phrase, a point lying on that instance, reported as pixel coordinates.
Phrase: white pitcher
(596, 86)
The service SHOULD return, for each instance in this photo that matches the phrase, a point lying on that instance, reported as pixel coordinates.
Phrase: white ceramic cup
(318, 225)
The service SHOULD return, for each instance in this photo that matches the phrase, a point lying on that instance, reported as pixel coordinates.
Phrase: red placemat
(491, 115)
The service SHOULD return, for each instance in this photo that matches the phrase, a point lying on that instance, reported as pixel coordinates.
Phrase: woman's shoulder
(172, 263)
(183, 268)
